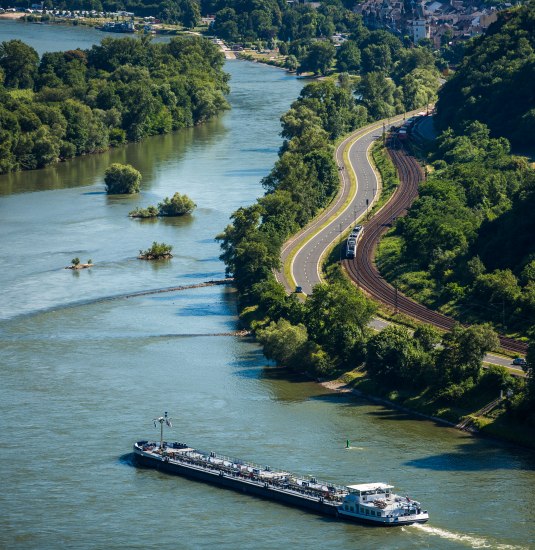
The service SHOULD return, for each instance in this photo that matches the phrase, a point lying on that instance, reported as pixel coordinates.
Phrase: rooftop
(370, 486)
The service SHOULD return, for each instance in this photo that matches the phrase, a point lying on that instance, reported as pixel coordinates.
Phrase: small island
(122, 179)
(76, 264)
(158, 251)
(177, 205)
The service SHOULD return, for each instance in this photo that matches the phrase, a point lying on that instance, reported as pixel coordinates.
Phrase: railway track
(363, 270)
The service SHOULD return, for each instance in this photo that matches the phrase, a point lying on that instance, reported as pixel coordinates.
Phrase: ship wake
(471, 541)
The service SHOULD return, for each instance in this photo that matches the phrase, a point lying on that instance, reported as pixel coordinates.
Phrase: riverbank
(12, 15)
(494, 425)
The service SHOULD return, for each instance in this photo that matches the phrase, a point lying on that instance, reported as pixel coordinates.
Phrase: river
(84, 369)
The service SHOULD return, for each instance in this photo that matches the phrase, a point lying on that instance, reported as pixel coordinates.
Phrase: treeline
(182, 12)
(265, 20)
(84, 101)
(495, 82)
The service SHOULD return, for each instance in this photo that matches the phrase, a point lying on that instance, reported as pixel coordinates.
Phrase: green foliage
(466, 243)
(122, 179)
(75, 261)
(84, 101)
(398, 359)
(156, 252)
(348, 57)
(177, 205)
(319, 58)
(149, 212)
(462, 352)
(490, 84)
(337, 318)
(496, 378)
(284, 342)
(19, 64)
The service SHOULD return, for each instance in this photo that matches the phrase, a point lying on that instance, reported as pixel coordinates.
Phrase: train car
(351, 248)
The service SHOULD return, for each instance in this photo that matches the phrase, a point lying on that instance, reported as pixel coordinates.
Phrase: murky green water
(81, 379)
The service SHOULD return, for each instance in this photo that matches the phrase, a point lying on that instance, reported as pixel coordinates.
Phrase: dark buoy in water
(347, 444)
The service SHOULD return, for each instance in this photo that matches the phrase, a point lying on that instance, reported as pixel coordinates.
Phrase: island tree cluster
(84, 101)
(177, 205)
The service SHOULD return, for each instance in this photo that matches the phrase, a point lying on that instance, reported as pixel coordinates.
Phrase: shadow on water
(476, 455)
(269, 150)
(127, 460)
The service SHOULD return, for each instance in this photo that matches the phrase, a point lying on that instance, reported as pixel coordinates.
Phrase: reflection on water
(149, 157)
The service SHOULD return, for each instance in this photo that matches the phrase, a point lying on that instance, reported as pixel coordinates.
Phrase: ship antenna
(162, 420)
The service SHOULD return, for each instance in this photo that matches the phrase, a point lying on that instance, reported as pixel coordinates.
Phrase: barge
(372, 503)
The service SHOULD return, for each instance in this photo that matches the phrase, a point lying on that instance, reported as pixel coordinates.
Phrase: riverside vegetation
(85, 101)
(327, 335)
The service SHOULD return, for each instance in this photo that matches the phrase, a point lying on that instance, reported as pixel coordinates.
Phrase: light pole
(162, 420)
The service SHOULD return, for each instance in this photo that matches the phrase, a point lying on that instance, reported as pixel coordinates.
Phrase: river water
(84, 368)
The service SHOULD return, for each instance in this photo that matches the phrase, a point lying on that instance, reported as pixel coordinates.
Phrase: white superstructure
(376, 503)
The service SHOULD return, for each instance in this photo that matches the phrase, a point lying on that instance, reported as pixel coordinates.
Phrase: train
(351, 245)
(404, 131)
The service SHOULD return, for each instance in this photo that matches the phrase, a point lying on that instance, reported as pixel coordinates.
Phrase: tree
(489, 83)
(19, 63)
(291, 63)
(284, 342)
(319, 58)
(157, 251)
(348, 57)
(419, 88)
(178, 205)
(462, 351)
(337, 317)
(122, 179)
(377, 93)
(191, 14)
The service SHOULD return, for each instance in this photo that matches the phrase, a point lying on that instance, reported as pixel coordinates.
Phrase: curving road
(309, 245)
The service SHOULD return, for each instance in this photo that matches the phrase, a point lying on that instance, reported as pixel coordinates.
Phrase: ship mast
(162, 420)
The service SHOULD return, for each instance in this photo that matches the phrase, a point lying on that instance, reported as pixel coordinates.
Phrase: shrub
(177, 205)
(156, 251)
(149, 212)
(122, 179)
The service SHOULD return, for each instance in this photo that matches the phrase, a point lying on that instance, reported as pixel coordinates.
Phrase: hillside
(495, 82)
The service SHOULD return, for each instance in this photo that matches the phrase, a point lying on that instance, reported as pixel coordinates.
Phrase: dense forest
(495, 82)
(467, 246)
(84, 101)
